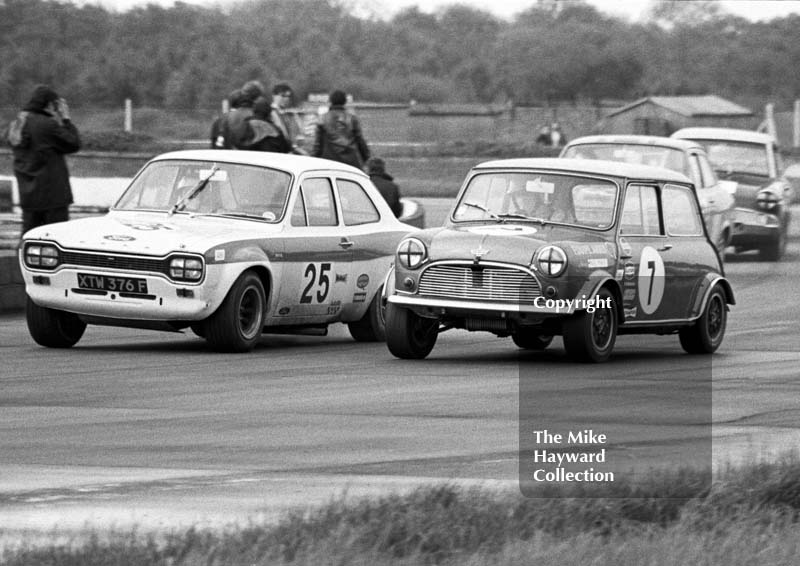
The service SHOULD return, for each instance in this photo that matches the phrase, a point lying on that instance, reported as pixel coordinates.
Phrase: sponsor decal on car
(362, 281)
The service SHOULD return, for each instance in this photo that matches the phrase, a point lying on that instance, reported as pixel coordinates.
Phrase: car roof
(731, 134)
(587, 166)
(675, 143)
(288, 162)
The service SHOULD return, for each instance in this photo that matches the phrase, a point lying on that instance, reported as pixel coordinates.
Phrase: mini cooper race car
(584, 249)
(228, 243)
(683, 156)
(753, 162)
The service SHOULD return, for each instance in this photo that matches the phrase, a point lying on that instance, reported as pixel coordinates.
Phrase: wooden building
(662, 115)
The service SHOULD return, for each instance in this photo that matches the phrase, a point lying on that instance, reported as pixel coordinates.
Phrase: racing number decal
(319, 283)
(651, 280)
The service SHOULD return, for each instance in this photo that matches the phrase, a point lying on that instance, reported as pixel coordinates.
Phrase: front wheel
(705, 335)
(774, 250)
(237, 324)
(590, 337)
(53, 328)
(372, 326)
(408, 335)
(530, 340)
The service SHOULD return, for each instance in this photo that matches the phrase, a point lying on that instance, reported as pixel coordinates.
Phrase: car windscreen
(542, 197)
(737, 157)
(642, 154)
(205, 187)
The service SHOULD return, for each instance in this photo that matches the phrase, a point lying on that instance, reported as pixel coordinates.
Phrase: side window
(640, 211)
(357, 207)
(315, 205)
(681, 214)
(709, 177)
(694, 166)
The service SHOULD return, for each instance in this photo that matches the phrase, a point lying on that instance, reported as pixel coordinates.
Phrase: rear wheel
(531, 340)
(705, 335)
(408, 335)
(590, 337)
(372, 326)
(237, 324)
(53, 328)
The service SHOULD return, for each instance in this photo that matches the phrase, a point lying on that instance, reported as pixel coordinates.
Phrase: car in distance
(228, 243)
(585, 249)
(683, 156)
(751, 159)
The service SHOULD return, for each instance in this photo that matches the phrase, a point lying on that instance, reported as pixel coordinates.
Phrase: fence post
(796, 128)
(226, 106)
(128, 115)
(769, 119)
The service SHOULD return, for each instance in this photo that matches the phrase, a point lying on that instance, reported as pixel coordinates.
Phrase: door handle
(346, 243)
(665, 247)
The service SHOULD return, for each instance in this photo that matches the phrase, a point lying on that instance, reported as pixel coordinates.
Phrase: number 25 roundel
(651, 280)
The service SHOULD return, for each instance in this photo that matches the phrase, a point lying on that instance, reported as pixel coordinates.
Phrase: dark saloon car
(584, 249)
(751, 159)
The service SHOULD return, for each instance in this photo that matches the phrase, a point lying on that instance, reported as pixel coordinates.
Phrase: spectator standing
(281, 100)
(40, 137)
(266, 135)
(219, 137)
(557, 137)
(338, 136)
(376, 168)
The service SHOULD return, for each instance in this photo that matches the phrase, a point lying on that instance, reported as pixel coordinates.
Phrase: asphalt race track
(137, 427)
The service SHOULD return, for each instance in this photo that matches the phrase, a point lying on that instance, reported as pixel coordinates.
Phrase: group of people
(551, 136)
(256, 123)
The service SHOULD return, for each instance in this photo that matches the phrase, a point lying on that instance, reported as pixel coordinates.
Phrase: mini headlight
(411, 253)
(42, 256)
(186, 268)
(551, 261)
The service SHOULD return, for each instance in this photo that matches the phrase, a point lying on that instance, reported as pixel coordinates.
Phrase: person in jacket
(42, 135)
(338, 136)
(282, 95)
(219, 137)
(376, 168)
(266, 135)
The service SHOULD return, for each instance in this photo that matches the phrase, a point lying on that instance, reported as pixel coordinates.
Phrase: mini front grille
(114, 261)
(479, 283)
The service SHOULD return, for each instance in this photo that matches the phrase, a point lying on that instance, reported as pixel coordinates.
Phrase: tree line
(189, 57)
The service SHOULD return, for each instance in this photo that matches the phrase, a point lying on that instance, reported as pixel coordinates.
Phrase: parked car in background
(752, 160)
(683, 156)
(584, 249)
(228, 243)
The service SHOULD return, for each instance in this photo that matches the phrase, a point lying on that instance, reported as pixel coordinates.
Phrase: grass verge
(749, 515)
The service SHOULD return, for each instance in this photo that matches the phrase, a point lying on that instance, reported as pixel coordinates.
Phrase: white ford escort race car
(228, 243)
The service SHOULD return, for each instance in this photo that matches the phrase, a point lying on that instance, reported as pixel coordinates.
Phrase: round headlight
(767, 199)
(411, 253)
(551, 261)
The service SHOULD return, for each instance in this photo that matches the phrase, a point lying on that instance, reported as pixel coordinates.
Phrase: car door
(316, 276)
(690, 255)
(647, 257)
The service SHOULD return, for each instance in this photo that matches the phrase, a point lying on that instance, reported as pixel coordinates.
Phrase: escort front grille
(479, 283)
(115, 261)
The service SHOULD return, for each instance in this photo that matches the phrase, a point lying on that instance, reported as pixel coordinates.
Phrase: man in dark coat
(338, 136)
(385, 184)
(44, 137)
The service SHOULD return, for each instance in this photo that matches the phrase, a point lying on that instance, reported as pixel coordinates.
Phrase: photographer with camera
(40, 136)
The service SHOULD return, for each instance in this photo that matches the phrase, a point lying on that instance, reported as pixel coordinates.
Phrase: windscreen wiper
(201, 184)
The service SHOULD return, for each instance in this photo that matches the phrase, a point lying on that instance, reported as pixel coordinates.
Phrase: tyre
(199, 329)
(590, 337)
(775, 249)
(706, 334)
(531, 340)
(53, 328)
(237, 324)
(408, 335)
(372, 326)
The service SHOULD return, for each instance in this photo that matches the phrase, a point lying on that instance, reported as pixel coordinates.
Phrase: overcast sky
(631, 9)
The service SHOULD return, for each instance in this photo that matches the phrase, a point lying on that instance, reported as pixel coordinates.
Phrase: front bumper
(439, 307)
(165, 301)
(752, 228)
